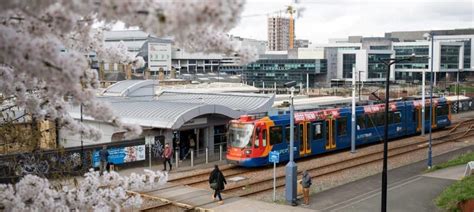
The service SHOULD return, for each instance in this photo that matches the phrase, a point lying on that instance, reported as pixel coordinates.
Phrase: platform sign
(274, 157)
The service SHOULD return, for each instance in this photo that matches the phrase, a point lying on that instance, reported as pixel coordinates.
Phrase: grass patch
(455, 193)
(468, 89)
(462, 159)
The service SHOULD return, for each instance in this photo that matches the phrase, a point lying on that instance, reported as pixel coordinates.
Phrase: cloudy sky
(323, 19)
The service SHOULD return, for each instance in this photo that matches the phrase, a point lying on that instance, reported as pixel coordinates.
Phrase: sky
(324, 19)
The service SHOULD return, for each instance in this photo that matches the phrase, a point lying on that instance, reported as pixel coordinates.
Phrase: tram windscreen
(240, 134)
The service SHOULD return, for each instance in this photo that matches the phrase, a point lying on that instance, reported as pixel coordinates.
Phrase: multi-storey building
(276, 72)
(281, 31)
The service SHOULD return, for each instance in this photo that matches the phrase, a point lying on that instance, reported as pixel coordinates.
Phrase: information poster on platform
(121, 155)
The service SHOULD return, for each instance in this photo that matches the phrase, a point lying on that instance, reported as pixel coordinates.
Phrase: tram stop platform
(190, 198)
(410, 188)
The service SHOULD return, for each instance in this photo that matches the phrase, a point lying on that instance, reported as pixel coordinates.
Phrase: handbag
(214, 185)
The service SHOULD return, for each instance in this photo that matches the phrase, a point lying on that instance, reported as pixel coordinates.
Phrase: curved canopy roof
(170, 110)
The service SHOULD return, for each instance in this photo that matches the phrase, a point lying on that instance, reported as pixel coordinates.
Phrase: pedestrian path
(201, 200)
(409, 189)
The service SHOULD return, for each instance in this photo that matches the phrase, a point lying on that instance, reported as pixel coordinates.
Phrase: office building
(268, 73)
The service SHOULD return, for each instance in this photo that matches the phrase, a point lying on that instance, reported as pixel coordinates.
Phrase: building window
(449, 57)
(348, 61)
(467, 54)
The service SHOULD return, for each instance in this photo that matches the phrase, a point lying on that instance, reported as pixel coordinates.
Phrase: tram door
(418, 117)
(260, 139)
(330, 127)
(304, 136)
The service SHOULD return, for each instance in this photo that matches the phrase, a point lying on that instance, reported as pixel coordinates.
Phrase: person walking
(167, 156)
(306, 183)
(104, 159)
(217, 181)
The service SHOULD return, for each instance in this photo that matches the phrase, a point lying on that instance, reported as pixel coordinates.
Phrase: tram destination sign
(274, 157)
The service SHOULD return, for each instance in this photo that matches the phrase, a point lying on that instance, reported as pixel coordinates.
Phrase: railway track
(461, 130)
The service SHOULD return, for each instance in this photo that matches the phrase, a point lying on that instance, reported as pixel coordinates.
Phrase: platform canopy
(170, 110)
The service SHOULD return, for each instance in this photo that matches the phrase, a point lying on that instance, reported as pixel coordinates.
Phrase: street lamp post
(353, 115)
(291, 168)
(360, 85)
(430, 37)
(388, 62)
(457, 92)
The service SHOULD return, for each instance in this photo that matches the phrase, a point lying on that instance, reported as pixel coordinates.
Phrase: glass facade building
(449, 57)
(280, 71)
(467, 54)
(377, 69)
(420, 62)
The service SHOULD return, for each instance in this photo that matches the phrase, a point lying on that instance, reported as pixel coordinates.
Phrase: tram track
(233, 170)
(266, 184)
(455, 132)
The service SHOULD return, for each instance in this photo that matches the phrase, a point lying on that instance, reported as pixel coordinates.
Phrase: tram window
(380, 119)
(317, 130)
(371, 121)
(361, 124)
(275, 135)
(301, 136)
(257, 139)
(287, 133)
(442, 110)
(264, 138)
(396, 117)
(342, 126)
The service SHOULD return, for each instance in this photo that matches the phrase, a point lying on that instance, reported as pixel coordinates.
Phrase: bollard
(192, 158)
(220, 152)
(207, 155)
(177, 158)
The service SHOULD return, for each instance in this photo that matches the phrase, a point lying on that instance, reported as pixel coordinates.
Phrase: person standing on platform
(217, 181)
(192, 145)
(104, 159)
(306, 183)
(167, 157)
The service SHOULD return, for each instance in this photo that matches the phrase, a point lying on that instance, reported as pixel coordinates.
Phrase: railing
(201, 156)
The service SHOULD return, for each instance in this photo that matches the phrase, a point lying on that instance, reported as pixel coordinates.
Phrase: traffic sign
(274, 157)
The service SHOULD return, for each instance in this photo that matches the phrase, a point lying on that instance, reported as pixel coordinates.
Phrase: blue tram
(321, 131)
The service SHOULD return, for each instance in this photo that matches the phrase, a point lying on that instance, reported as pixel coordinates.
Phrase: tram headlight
(248, 152)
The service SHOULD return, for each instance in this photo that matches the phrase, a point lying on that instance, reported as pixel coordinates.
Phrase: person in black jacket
(217, 181)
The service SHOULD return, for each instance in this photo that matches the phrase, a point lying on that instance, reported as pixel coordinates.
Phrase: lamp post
(291, 168)
(430, 37)
(388, 62)
(353, 116)
(360, 85)
(457, 91)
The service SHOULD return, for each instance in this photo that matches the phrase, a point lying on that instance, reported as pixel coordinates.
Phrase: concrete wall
(68, 139)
